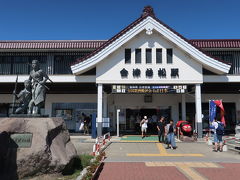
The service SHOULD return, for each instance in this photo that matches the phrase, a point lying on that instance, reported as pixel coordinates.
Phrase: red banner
(220, 105)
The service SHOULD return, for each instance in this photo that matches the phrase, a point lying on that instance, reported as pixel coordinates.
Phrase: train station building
(146, 69)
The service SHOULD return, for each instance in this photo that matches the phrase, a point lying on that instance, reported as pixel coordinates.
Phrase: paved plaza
(149, 160)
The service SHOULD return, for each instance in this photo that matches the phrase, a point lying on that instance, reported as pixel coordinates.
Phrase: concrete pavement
(150, 161)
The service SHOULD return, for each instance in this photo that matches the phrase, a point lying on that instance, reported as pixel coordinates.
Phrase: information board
(149, 89)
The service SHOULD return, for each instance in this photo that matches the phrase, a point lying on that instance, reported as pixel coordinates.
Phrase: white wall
(108, 70)
(68, 98)
(57, 98)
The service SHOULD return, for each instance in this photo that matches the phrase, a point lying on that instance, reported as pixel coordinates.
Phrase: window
(148, 98)
(169, 56)
(127, 55)
(159, 55)
(148, 55)
(138, 56)
(62, 64)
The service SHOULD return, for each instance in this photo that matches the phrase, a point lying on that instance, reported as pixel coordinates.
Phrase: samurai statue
(24, 98)
(38, 79)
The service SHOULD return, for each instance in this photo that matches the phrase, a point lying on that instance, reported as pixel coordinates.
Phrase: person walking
(218, 134)
(144, 126)
(169, 132)
(160, 128)
(86, 121)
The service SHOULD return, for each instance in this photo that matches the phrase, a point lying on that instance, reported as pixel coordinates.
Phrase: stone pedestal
(34, 146)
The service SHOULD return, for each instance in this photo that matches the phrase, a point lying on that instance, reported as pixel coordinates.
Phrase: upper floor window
(19, 64)
(169, 56)
(138, 56)
(148, 55)
(158, 55)
(127, 55)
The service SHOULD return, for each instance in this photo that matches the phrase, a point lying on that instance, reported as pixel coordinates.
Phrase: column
(99, 110)
(118, 111)
(198, 106)
(105, 110)
(183, 107)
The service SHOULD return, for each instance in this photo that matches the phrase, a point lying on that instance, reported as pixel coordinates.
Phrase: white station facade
(145, 69)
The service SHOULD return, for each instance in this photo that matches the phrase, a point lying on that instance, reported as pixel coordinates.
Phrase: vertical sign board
(94, 129)
(21, 140)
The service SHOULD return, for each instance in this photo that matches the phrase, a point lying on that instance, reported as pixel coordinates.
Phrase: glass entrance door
(134, 117)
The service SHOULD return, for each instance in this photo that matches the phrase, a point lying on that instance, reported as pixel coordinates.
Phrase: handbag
(81, 126)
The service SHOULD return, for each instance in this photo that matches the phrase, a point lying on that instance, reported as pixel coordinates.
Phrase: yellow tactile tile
(150, 164)
(161, 149)
(138, 141)
(189, 172)
(163, 152)
(186, 167)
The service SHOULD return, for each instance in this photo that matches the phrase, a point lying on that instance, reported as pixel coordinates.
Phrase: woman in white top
(144, 126)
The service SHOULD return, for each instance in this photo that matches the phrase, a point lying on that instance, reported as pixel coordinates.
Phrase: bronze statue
(32, 97)
(38, 78)
(24, 98)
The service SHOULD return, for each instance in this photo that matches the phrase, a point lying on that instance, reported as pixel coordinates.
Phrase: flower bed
(95, 168)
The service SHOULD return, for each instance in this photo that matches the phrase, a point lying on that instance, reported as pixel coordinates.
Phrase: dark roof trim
(51, 44)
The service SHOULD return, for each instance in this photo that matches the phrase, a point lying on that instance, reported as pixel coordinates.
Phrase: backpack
(220, 129)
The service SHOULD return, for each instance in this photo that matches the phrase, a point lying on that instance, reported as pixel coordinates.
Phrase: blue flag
(212, 111)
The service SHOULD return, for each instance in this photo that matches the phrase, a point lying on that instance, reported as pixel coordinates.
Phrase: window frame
(169, 56)
(150, 55)
(160, 60)
(138, 61)
(127, 56)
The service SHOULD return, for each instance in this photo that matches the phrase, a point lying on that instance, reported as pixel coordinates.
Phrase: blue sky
(102, 19)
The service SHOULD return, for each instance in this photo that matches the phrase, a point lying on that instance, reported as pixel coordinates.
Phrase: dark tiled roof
(51, 44)
(94, 44)
(216, 43)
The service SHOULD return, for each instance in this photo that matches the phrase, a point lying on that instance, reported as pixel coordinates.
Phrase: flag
(222, 112)
(212, 110)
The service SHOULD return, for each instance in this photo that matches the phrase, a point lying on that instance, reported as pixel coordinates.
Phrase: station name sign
(149, 89)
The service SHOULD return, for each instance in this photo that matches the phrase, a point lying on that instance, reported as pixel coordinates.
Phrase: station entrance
(134, 116)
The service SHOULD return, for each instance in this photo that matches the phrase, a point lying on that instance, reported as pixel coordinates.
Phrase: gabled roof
(147, 22)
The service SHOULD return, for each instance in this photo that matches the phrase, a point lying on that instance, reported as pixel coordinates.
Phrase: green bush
(85, 160)
(76, 166)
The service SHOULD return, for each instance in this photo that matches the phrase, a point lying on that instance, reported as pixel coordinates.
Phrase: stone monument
(31, 143)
